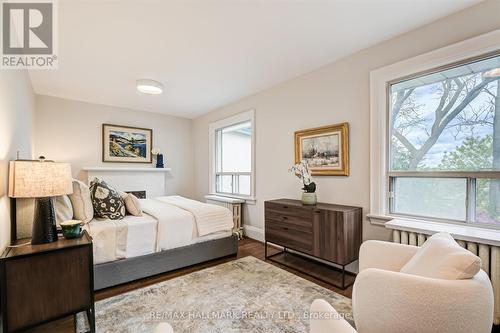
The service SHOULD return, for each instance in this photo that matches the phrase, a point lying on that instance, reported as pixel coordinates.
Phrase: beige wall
(335, 93)
(67, 130)
(16, 128)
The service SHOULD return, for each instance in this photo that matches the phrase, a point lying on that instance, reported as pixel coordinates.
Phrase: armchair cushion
(440, 257)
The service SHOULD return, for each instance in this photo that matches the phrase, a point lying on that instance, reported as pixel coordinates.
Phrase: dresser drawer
(289, 210)
(293, 221)
(289, 235)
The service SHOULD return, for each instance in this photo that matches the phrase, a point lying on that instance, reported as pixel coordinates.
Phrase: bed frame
(126, 270)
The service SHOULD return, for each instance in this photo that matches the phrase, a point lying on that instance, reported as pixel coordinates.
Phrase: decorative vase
(71, 228)
(309, 198)
(159, 161)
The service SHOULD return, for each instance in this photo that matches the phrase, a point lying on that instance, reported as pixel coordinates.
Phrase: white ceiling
(209, 53)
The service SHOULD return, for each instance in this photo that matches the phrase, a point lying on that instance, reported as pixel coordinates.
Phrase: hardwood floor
(246, 247)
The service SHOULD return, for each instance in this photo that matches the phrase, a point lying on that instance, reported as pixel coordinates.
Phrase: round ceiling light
(150, 87)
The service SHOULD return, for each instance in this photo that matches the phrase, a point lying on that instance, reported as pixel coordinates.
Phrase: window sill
(469, 233)
(246, 200)
(378, 219)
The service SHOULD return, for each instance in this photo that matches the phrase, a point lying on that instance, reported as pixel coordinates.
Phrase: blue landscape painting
(127, 144)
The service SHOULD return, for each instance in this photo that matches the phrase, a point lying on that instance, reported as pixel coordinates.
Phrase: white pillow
(82, 204)
(64, 209)
(132, 204)
(440, 257)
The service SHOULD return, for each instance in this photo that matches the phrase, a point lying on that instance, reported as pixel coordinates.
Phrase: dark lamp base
(44, 223)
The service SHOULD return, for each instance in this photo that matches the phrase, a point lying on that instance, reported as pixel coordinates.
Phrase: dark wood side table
(41, 283)
(325, 231)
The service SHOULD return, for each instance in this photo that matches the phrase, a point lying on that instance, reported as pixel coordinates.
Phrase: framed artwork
(326, 149)
(126, 144)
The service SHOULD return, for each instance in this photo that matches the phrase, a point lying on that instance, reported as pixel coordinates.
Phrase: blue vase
(159, 161)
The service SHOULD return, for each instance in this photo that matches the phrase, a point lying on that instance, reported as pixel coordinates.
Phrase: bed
(173, 232)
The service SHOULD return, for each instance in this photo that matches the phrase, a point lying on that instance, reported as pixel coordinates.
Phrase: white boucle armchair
(387, 301)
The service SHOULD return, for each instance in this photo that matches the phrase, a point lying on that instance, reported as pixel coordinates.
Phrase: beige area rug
(244, 295)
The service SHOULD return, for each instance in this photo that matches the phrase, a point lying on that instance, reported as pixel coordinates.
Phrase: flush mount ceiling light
(150, 87)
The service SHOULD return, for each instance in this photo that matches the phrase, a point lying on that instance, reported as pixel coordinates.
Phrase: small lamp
(42, 180)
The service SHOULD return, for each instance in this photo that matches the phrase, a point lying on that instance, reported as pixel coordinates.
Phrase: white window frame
(379, 110)
(212, 129)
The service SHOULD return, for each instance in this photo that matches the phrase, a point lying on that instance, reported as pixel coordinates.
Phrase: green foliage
(310, 188)
(474, 153)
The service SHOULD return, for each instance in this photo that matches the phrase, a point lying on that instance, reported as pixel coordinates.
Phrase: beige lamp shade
(35, 179)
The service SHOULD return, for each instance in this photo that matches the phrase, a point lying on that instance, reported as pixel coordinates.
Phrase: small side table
(41, 283)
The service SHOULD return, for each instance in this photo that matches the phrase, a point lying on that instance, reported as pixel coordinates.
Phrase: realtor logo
(28, 34)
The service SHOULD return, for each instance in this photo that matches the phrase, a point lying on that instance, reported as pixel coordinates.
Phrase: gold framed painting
(126, 144)
(326, 149)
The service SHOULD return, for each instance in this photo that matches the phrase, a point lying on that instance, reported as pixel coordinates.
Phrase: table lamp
(42, 180)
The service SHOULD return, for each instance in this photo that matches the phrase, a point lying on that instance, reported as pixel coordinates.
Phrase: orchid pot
(309, 198)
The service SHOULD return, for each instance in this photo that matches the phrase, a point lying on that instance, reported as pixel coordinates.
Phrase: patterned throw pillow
(106, 200)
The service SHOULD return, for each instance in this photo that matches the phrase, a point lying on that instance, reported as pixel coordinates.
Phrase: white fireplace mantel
(151, 180)
(126, 169)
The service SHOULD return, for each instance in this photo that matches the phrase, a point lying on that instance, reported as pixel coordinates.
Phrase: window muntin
(443, 127)
(234, 159)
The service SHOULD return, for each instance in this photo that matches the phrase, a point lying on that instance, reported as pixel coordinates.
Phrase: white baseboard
(253, 232)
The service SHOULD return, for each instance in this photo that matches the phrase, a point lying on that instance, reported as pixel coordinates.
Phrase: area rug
(244, 295)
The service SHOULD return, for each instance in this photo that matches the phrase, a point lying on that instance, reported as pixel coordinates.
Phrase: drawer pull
(285, 207)
(285, 217)
(285, 228)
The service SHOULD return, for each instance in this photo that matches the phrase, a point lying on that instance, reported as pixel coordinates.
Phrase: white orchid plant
(301, 170)
(155, 151)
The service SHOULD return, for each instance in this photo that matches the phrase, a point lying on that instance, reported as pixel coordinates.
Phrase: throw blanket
(209, 218)
(109, 239)
(175, 225)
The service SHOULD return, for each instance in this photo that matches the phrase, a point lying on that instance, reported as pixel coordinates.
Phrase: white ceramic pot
(309, 198)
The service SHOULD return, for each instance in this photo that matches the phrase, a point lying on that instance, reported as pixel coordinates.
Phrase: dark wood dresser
(325, 231)
(40, 283)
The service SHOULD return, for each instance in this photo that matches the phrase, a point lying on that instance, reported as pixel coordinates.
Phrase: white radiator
(234, 205)
(490, 257)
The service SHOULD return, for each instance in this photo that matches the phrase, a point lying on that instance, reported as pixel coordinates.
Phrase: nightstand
(41, 283)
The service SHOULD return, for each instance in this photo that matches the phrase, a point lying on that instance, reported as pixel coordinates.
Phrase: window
(232, 156)
(444, 143)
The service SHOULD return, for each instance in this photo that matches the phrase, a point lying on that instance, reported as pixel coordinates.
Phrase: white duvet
(209, 218)
(131, 237)
(175, 226)
(167, 223)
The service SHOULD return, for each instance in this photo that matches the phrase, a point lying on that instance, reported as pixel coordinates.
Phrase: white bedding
(209, 218)
(162, 226)
(141, 235)
(131, 237)
(175, 226)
